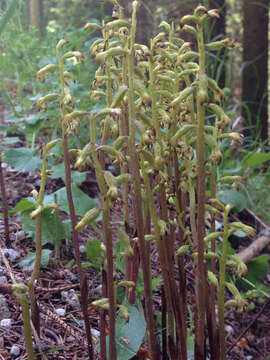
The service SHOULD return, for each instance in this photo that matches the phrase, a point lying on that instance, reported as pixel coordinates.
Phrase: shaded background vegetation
(246, 21)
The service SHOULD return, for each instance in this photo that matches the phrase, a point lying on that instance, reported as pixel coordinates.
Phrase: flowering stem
(75, 235)
(221, 286)
(105, 203)
(201, 187)
(5, 204)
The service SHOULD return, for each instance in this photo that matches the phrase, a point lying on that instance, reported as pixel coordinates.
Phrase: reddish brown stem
(181, 199)
(110, 281)
(102, 322)
(164, 324)
(134, 272)
(75, 239)
(211, 311)
(5, 204)
(138, 215)
(180, 344)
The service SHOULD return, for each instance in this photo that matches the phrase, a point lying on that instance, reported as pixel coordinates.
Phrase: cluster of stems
(161, 127)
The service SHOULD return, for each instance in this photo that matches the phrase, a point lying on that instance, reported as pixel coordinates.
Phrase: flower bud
(147, 156)
(61, 43)
(51, 144)
(124, 311)
(124, 178)
(125, 241)
(108, 111)
(45, 69)
(90, 216)
(162, 226)
(218, 204)
(182, 250)
(217, 45)
(187, 18)
(213, 236)
(92, 26)
(250, 231)
(117, 24)
(180, 133)
(212, 278)
(187, 28)
(166, 26)
(234, 136)
(102, 303)
(182, 96)
(118, 97)
(231, 179)
(41, 102)
(36, 212)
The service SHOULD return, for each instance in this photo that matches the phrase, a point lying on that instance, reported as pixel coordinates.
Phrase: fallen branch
(256, 247)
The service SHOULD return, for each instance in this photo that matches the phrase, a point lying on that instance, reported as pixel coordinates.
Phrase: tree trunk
(35, 14)
(255, 72)
(219, 26)
(145, 20)
(218, 32)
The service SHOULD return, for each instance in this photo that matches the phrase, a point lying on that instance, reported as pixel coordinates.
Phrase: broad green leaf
(32, 119)
(240, 234)
(82, 202)
(31, 257)
(90, 264)
(258, 268)
(3, 128)
(68, 227)
(94, 251)
(24, 205)
(23, 159)
(255, 159)
(10, 140)
(45, 257)
(129, 335)
(59, 172)
(236, 198)
(52, 227)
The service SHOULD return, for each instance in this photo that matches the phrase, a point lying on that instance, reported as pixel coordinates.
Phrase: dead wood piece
(256, 247)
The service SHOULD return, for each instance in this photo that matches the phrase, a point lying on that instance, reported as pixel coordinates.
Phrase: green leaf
(52, 227)
(31, 257)
(3, 128)
(240, 234)
(255, 159)
(82, 202)
(59, 172)
(258, 268)
(155, 283)
(10, 140)
(8, 14)
(87, 264)
(45, 257)
(236, 198)
(129, 335)
(94, 251)
(32, 119)
(23, 159)
(24, 205)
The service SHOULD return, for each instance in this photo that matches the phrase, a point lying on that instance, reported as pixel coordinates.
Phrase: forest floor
(62, 334)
